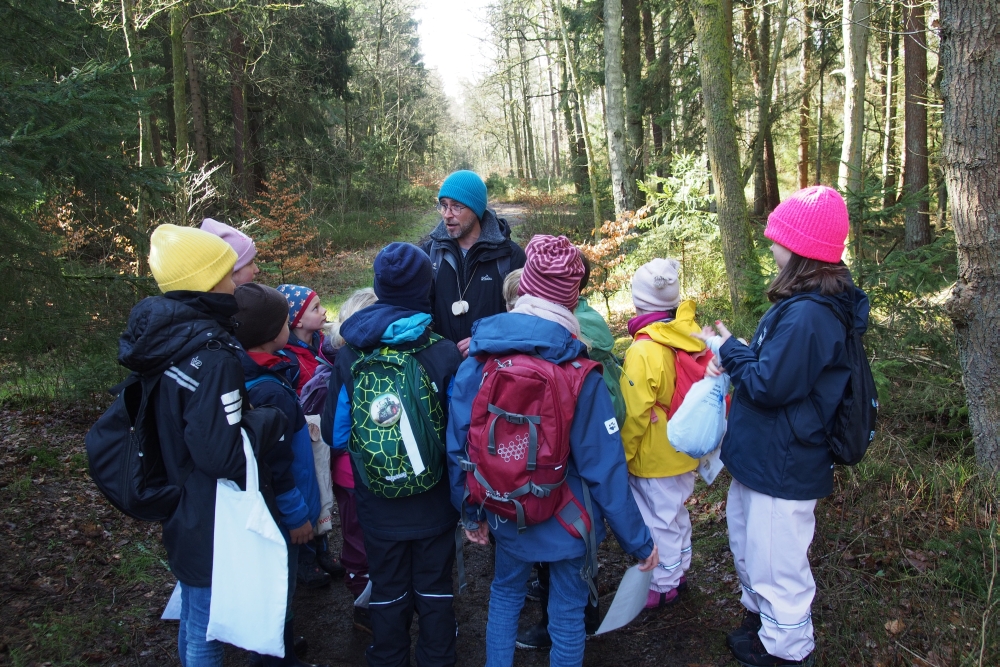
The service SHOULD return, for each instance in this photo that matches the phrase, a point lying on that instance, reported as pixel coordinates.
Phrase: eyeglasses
(454, 207)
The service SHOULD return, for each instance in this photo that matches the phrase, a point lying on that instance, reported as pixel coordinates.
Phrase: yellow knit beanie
(185, 258)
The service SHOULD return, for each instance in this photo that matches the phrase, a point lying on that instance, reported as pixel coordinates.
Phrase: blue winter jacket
(270, 386)
(596, 453)
(788, 384)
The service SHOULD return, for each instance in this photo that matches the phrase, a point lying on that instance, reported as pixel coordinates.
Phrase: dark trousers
(352, 554)
(408, 575)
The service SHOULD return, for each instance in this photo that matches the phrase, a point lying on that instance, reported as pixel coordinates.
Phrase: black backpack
(853, 427)
(123, 452)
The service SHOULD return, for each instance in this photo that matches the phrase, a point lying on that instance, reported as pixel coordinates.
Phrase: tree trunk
(237, 63)
(889, 92)
(255, 121)
(652, 89)
(615, 116)
(819, 105)
(518, 153)
(915, 168)
(550, 64)
(197, 101)
(585, 129)
(971, 155)
(715, 61)
(804, 104)
(772, 196)
(529, 135)
(854, 23)
(666, 78)
(632, 62)
(177, 20)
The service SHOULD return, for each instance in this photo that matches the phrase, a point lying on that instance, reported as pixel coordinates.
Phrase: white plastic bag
(700, 422)
(249, 569)
(321, 458)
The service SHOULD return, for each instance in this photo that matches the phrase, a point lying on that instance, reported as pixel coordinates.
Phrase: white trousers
(661, 502)
(770, 538)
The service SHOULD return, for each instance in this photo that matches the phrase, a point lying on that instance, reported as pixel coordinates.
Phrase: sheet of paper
(173, 610)
(629, 600)
(365, 597)
(410, 442)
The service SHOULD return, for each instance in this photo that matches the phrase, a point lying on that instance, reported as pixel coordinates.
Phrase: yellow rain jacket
(648, 386)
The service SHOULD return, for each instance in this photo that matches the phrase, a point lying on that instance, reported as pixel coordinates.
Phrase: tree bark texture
(915, 166)
(197, 99)
(632, 61)
(804, 104)
(715, 60)
(237, 63)
(651, 89)
(889, 91)
(614, 81)
(855, 23)
(177, 20)
(971, 155)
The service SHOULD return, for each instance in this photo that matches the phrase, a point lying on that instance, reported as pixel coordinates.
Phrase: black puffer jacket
(200, 406)
(476, 276)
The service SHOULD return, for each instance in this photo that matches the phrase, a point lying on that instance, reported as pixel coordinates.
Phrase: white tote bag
(249, 569)
(321, 457)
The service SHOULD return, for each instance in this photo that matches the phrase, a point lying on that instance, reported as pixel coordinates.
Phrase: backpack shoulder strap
(269, 377)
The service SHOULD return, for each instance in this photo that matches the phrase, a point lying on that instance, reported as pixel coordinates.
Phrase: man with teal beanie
(471, 253)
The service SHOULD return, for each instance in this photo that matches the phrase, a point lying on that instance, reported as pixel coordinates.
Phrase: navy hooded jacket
(199, 408)
(421, 515)
(788, 384)
(596, 452)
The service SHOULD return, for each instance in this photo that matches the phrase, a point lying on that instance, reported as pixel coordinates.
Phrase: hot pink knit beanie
(552, 271)
(812, 223)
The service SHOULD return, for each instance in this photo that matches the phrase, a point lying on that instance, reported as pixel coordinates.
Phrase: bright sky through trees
(450, 40)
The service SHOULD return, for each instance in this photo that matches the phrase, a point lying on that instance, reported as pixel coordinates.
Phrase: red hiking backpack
(518, 442)
(688, 368)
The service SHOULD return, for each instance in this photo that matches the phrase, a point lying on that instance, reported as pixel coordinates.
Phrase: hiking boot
(750, 652)
(312, 576)
(749, 626)
(592, 618)
(655, 599)
(533, 637)
(682, 585)
(332, 566)
(535, 590)
(363, 620)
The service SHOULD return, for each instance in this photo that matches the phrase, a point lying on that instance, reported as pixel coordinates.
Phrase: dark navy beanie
(465, 187)
(403, 277)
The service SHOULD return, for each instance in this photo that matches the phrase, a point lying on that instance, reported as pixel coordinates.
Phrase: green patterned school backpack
(397, 423)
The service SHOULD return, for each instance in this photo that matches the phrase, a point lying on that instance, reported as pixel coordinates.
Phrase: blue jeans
(568, 594)
(193, 648)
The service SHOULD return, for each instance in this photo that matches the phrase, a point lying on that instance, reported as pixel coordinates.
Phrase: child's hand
(705, 334)
(723, 331)
(714, 368)
(479, 536)
(652, 561)
(302, 534)
(463, 346)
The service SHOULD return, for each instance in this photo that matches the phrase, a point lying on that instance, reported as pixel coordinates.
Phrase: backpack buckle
(467, 466)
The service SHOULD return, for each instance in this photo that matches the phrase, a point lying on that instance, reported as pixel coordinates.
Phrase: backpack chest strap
(514, 418)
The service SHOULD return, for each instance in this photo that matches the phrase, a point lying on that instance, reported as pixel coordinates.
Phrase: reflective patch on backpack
(611, 425)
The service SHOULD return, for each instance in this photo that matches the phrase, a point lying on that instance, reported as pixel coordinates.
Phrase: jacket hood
(283, 366)
(492, 230)
(593, 327)
(852, 304)
(677, 332)
(165, 329)
(364, 329)
(527, 334)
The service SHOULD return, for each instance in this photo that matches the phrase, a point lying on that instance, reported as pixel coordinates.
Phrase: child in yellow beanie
(185, 337)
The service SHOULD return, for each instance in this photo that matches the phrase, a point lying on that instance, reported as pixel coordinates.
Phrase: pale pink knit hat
(655, 287)
(240, 242)
(552, 271)
(812, 223)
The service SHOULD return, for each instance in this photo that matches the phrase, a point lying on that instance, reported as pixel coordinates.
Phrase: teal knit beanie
(466, 187)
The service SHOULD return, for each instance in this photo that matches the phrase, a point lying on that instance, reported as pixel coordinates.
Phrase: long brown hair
(802, 274)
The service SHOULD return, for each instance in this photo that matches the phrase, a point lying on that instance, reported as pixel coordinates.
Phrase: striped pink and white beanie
(553, 271)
